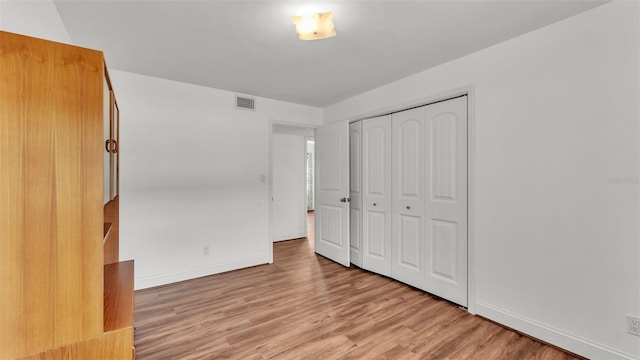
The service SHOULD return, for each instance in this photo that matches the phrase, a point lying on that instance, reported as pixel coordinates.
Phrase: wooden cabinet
(111, 176)
(55, 288)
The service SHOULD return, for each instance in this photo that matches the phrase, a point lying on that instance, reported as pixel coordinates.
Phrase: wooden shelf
(107, 230)
(118, 295)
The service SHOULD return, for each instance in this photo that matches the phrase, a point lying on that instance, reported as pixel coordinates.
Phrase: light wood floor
(306, 307)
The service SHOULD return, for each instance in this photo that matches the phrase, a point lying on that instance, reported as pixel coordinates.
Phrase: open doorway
(292, 171)
(310, 165)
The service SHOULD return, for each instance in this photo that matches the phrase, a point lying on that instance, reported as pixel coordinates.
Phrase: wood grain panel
(114, 345)
(50, 203)
(118, 295)
(304, 306)
(12, 135)
(112, 245)
(78, 183)
(22, 200)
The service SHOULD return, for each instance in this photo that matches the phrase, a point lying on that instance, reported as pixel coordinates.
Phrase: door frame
(468, 90)
(271, 124)
(306, 148)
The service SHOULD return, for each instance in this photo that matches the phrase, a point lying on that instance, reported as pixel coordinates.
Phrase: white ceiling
(251, 47)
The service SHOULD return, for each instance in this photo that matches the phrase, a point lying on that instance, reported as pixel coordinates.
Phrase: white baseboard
(550, 334)
(168, 278)
(289, 236)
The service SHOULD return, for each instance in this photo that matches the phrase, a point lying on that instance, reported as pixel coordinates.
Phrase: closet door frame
(468, 90)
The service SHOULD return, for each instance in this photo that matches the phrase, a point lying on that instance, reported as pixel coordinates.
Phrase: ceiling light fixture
(315, 27)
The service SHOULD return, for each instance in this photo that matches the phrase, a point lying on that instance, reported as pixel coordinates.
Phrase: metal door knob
(408, 207)
(374, 204)
(344, 200)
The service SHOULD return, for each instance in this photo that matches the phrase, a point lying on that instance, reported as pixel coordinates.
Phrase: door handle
(408, 207)
(374, 204)
(343, 200)
(111, 146)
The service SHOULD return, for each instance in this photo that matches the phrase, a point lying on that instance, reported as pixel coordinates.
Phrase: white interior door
(376, 202)
(332, 192)
(355, 191)
(408, 200)
(446, 199)
(289, 209)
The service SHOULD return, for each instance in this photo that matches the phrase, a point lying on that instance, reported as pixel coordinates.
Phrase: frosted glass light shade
(315, 27)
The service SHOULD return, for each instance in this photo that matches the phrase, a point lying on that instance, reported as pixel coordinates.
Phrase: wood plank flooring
(306, 307)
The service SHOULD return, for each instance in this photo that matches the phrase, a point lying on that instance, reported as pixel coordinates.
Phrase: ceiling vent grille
(245, 103)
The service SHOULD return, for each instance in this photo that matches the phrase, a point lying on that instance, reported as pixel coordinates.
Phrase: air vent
(245, 103)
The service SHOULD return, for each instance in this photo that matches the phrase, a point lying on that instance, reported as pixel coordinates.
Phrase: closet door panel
(446, 202)
(376, 235)
(376, 206)
(409, 234)
(355, 192)
(408, 264)
(376, 164)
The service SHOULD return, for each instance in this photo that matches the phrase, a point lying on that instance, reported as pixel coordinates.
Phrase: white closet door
(376, 202)
(446, 199)
(332, 191)
(408, 209)
(355, 191)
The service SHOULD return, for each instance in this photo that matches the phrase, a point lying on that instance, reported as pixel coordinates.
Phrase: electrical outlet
(633, 325)
(205, 250)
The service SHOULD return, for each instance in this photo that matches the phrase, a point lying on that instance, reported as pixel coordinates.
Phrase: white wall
(556, 204)
(289, 210)
(194, 174)
(556, 185)
(33, 18)
(194, 170)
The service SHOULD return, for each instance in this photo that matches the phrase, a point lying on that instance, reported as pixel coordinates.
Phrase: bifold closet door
(408, 200)
(355, 192)
(376, 201)
(446, 199)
